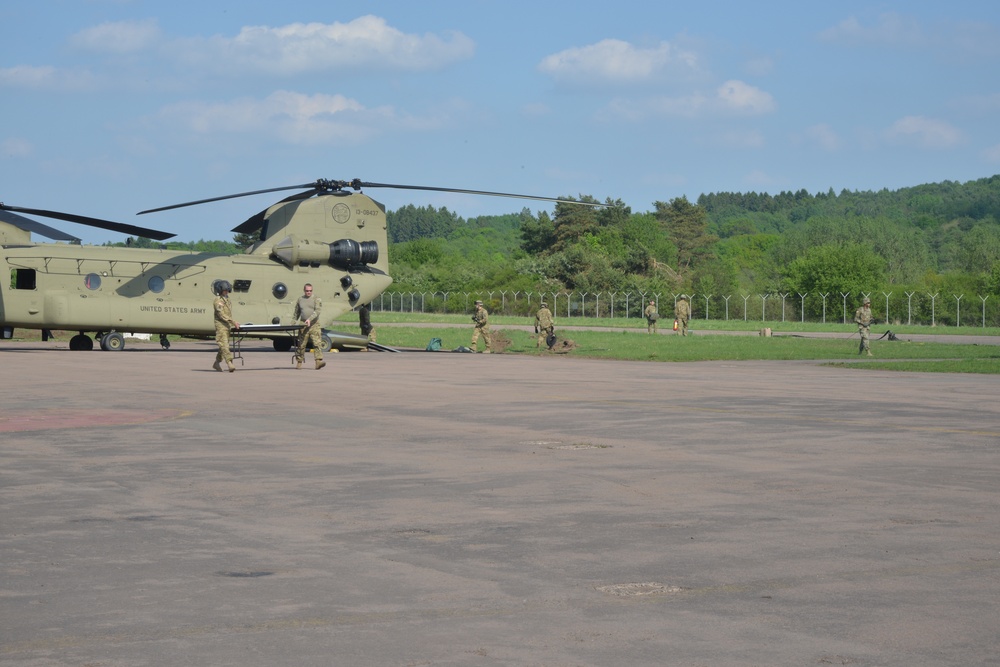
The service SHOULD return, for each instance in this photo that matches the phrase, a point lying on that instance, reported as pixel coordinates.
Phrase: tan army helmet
(545, 304)
(867, 301)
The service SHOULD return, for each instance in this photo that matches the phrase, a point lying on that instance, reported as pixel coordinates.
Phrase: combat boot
(298, 364)
(870, 353)
(320, 363)
(229, 362)
(217, 366)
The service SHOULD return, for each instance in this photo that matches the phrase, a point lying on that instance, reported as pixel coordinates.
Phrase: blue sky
(115, 106)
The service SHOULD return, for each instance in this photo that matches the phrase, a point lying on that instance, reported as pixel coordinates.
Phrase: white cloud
(366, 42)
(924, 132)
(296, 118)
(618, 62)
(759, 66)
(890, 29)
(46, 78)
(741, 139)
(16, 147)
(824, 136)
(964, 40)
(293, 117)
(118, 37)
(731, 98)
(759, 178)
(743, 98)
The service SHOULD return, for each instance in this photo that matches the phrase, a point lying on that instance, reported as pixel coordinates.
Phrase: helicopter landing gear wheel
(81, 342)
(283, 344)
(112, 342)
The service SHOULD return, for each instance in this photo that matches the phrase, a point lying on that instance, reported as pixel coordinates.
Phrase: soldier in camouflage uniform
(223, 323)
(863, 318)
(481, 318)
(307, 311)
(682, 311)
(651, 317)
(545, 325)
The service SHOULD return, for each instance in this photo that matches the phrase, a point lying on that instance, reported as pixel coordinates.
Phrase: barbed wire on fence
(774, 306)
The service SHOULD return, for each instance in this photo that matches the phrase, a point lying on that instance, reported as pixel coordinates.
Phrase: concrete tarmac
(459, 509)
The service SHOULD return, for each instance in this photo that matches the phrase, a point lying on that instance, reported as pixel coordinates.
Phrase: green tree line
(930, 239)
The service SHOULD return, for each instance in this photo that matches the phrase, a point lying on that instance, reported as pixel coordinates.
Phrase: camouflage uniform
(307, 309)
(863, 318)
(682, 311)
(223, 323)
(365, 321)
(482, 326)
(651, 317)
(545, 325)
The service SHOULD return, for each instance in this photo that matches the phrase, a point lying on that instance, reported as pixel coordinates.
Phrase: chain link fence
(903, 307)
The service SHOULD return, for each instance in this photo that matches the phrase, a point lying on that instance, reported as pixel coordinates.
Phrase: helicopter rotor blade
(241, 194)
(356, 184)
(35, 227)
(93, 222)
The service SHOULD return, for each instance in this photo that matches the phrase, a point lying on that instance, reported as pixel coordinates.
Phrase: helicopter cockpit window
(280, 291)
(92, 281)
(155, 284)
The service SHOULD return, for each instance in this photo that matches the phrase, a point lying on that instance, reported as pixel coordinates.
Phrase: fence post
(707, 298)
(802, 306)
(746, 297)
(958, 309)
(933, 299)
(763, 307)
(983, 299)
(824, 306)
(783, 304)
(887, 306)
(727, 306)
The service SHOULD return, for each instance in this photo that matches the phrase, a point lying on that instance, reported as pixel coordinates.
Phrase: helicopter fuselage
(335, 241)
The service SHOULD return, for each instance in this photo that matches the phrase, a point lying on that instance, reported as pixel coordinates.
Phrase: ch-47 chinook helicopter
(330, 234)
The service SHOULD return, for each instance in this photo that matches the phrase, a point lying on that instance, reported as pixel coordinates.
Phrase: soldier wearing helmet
(682, 313)
(651, 317)
(481, 325)
(223, 323)
(863, 318)
(545, 325)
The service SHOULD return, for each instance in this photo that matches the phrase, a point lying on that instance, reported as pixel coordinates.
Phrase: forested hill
(924, 206)
(942, 237)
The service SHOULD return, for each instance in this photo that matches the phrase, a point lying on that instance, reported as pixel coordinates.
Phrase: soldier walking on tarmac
(223, 323)
(682, 311)
(307, 311)
(651, 317)
(863, 318)
(481, 321)
(545, 325)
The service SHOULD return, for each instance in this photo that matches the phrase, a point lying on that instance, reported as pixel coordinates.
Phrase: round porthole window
(92, 281)
(155, 284)
(280, 291)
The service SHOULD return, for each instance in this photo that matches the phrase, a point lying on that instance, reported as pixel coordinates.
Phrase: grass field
(899, 355)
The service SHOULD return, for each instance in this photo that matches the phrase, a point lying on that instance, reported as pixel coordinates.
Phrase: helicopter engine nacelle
(343, 254)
